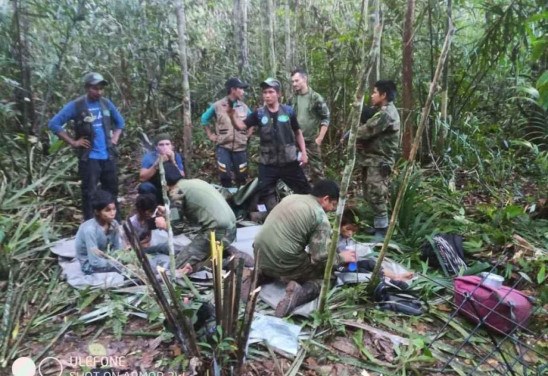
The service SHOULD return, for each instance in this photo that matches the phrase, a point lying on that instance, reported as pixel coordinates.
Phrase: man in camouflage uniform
(296, 222)
(378, 144)
(202, 205)
(313, 117)
(231, 143)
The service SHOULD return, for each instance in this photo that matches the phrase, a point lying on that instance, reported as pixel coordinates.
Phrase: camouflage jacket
(312, 114)
(378, 139)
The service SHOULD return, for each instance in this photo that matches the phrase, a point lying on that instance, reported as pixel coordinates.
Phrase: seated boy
(98, 235)
(149, 217)
(346, 243)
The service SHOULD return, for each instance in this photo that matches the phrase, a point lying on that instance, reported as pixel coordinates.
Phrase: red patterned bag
(501, 309)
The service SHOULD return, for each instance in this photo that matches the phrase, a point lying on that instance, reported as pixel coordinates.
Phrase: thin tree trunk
(368, 63)
(289, 65)
(240, 36)
(407, 75)
(271, 16)
(187, 122)
(442, 134)
(409, 167)
(24, 94)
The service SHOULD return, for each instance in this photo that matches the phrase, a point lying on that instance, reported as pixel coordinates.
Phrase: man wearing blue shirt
(149, 174)
(231, 143)
(97, 128)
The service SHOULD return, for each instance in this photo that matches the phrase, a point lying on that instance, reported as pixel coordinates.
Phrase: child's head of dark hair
(349, 217)
(387, 87)
(145, 202)
(101, 199)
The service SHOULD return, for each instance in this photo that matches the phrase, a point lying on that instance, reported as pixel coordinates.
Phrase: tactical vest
(277, 138)
(84, 129)
(228, 136)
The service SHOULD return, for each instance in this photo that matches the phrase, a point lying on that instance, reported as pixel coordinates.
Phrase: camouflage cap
(94, 78)
(271, 82)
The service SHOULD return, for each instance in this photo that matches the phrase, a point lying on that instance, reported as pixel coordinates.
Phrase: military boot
(380, 233)
(296, 295)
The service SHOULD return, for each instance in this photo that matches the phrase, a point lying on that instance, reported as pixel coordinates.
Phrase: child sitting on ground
(151, 216)
(346, 242)
(99, 236)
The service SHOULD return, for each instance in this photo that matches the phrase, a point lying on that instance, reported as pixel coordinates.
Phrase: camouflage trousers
(306, 272)
(376, 181)
(199, 248)
(314, 169)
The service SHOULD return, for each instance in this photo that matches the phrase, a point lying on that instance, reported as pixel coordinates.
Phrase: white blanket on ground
(72, 270)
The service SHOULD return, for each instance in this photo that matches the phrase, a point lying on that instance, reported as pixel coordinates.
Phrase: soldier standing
(377, 146)
(313, 117)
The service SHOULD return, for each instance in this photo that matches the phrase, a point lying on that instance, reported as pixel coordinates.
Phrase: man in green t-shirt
(293, 243)
(313, 118)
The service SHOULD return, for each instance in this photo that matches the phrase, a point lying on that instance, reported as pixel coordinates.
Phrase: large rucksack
(499, 309)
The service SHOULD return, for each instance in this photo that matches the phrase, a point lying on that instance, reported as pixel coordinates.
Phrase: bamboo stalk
(409, 167)
(169, 229)
(246, 327)
(179, 310)
(158, 292)
(351, 153)
(7, 317)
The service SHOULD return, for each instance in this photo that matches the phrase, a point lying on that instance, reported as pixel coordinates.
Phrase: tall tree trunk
(187, 122)
(289, 65)
(240, 35)
(407, 75)
(23, 93)
(443, 128)
(271, 17)
(368, 63)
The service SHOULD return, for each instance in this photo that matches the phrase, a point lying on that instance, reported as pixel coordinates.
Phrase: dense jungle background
(481, 171)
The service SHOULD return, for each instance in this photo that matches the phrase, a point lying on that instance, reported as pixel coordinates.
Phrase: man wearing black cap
(231, 143)
(280, 135)
(97, 129)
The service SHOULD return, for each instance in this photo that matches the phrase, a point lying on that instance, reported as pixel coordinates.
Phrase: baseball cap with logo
(235, 82)
(271, 82)
(94, 78)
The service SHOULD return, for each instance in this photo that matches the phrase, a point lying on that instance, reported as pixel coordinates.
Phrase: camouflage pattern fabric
(375, 189)
(314, 169)
(200, 248)
(378, 138)
(377, 147)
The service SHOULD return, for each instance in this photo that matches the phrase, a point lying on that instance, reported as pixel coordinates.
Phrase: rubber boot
(296, 295)
(249, 261)
(380, 233)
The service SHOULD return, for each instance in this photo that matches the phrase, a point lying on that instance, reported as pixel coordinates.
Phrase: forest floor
(355, 338)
